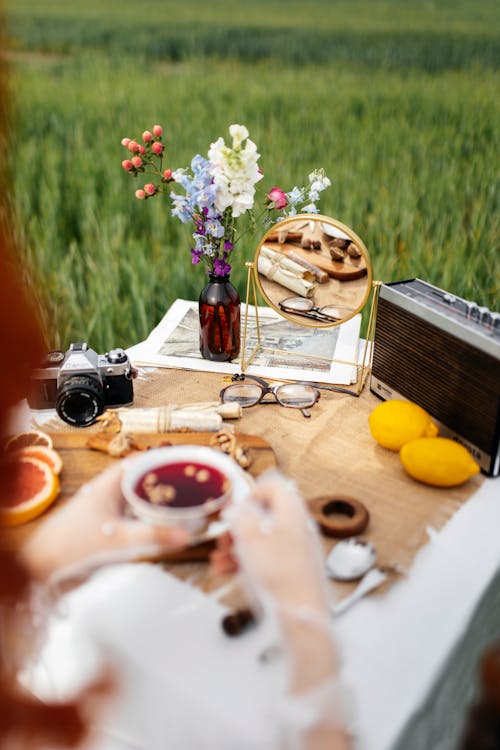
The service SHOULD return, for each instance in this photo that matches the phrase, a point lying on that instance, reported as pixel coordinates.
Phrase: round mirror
(313, 270)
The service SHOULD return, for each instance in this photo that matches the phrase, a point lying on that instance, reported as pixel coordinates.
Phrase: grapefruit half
(49, 455)
(30, 437)
(30, 488)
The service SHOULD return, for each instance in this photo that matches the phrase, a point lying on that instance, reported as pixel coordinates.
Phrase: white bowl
(194, 517)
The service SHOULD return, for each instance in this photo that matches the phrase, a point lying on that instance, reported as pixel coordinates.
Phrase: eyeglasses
(292, 395)
(306, 308)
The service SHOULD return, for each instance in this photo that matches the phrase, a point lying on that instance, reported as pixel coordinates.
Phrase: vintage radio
(443, 353)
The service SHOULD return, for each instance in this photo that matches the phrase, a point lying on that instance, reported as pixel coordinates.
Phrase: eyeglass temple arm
(316, 315)
(336, 388)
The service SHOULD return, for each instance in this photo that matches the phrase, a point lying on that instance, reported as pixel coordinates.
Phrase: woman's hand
(91, 530)
(277, 545)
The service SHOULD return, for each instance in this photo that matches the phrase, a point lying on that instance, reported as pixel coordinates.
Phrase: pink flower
(147, 136)
(278, 197)
(140, 194)
(157, 130)
(127, 165)
(157, 148)
(149, 188)
(141, 150)
(132, 146)
(137, 162)
(125, 142)
(167, 174)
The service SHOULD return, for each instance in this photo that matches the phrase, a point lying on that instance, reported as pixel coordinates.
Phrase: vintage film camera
(443, 353)
(80, 383)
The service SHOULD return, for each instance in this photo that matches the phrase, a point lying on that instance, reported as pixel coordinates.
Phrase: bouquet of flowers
(217, 191)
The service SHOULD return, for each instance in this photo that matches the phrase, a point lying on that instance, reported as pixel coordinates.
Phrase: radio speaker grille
(456, 383)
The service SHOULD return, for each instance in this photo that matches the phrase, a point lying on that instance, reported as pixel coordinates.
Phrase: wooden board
(348, 270)
(80, 464)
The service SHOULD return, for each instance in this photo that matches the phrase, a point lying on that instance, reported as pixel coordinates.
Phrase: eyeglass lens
(292, 395)
(298, 396)
(244, 394)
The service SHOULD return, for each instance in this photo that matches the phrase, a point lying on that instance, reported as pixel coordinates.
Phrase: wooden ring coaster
(339, 516)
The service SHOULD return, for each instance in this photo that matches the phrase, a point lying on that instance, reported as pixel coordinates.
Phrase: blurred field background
(397, 99)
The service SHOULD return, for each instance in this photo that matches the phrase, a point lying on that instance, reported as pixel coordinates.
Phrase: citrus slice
(30, 437)
(49, 455)
(31, 489)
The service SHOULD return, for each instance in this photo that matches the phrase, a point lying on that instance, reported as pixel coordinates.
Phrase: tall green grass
(413, 155)
(429, 36)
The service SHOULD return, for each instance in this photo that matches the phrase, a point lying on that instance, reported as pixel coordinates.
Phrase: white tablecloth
(409, 657)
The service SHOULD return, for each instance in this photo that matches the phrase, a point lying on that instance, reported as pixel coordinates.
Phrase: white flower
(234, 171)
(318, 180)
(238, 133)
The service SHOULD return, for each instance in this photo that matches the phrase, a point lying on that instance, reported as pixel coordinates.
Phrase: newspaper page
(287, 351)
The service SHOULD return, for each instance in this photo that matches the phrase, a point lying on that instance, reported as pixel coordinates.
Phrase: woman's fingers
(139, 534)
(104, 489)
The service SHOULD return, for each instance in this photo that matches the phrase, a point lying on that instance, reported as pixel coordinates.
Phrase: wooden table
(408, 655)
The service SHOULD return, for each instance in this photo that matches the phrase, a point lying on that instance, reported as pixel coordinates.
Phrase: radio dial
(472, 310)
(495, 321)
(485, 316)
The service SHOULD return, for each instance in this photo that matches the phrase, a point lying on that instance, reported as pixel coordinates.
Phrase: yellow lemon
(394, 423)
(438, 461)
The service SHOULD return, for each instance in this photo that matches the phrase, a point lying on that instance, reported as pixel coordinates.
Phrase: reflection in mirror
(313, 270)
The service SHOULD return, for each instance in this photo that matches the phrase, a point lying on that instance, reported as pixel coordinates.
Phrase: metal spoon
(372, 580)
(350, 559)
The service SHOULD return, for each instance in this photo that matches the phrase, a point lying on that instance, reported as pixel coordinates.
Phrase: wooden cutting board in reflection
(80, 464)
(349, 270)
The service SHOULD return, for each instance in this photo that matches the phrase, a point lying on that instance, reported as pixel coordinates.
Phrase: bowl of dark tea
(184, 485)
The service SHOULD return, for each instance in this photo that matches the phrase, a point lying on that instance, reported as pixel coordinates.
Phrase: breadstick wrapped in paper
(201, 417)
(288, 273)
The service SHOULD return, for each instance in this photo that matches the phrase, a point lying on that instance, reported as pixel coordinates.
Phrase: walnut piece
(227, 442)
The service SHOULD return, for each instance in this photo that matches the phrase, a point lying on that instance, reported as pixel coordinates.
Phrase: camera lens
(80, 400)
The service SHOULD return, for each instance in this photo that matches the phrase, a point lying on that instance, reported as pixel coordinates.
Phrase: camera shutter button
(115, 356)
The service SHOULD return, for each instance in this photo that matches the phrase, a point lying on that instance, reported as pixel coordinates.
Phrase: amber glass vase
(219, 308)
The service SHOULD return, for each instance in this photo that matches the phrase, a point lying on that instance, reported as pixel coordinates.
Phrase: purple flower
(221, 268)
(195, 256)
(228, 246)
(199, 224)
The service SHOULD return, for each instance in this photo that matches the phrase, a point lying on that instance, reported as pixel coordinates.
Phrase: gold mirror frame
(254, 284)
(357, 271)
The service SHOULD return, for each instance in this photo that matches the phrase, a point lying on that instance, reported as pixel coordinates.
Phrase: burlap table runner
(330, 453)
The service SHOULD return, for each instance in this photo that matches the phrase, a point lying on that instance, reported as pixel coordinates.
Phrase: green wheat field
(399, 101)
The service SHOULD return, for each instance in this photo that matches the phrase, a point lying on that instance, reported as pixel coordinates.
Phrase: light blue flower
(198, 163)
(205, 197)
(180, 207)
(200, 241)
(295, 196)
(310, 209)
(214, 228)
(182, 177)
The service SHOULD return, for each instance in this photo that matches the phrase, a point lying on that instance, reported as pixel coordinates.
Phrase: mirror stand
(363, 366)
